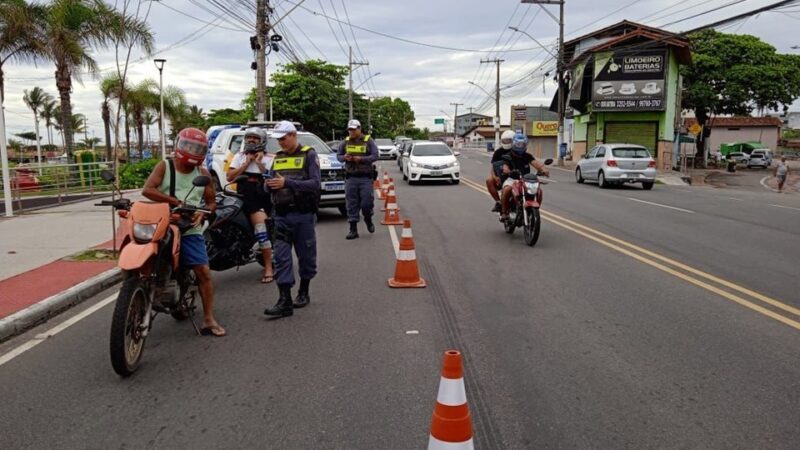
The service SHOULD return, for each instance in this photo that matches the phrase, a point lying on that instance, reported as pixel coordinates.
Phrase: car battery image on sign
(629, 82)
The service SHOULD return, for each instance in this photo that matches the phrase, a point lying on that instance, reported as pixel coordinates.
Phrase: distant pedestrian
(781, 172)
(358, 153)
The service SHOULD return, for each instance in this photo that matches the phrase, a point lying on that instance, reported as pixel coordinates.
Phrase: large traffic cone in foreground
(406, 272)
(451, 425)
(392, 214)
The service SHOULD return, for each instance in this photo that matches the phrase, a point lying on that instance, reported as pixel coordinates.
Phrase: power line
(239, 30)
(370, 79)
(735, 2)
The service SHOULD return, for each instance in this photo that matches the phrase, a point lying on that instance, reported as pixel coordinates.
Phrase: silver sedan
(617, 164)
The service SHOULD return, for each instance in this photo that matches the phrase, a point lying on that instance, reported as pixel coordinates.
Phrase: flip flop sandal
(267, 279)
(214, 331)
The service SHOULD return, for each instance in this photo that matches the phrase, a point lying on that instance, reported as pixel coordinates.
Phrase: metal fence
(33, 184)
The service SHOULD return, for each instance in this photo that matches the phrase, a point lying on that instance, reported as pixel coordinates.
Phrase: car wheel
(578, 176)
(647, 185)
(601, 180)
(405, 177)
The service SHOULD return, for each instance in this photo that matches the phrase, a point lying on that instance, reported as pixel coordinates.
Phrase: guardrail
(56, 181)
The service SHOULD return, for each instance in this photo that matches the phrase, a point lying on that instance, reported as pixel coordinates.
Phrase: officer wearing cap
(295, 189)
(358, 152)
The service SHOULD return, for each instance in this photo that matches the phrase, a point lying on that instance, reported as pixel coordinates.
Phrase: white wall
(766, 135)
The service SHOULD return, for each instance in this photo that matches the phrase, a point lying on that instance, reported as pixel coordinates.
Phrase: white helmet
(507, 139)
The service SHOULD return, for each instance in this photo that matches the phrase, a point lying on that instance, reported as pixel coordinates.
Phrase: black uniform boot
(370, 225)
(303, 298)
(284, 306)
(353, 234)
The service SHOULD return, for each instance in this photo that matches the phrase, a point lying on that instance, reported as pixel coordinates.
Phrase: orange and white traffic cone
(392, 214)
(386, 187)
(451, 425)
(380, 185)
(391, 196)
(406, 272)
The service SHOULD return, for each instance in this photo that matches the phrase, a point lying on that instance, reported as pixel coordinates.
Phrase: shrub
(133, 176)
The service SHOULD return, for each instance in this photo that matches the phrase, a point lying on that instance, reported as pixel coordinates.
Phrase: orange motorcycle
(154, 281)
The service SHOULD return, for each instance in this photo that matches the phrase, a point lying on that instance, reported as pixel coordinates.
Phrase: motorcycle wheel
(127, 341)
(187, 297)
(510, 225)
(532, 230)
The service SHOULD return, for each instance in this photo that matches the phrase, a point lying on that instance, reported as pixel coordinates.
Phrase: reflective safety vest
(294, 167)
(357, 149)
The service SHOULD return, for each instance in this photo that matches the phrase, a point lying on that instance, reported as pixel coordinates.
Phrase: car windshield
(383, 142)
(431, 150)
(304, 139)
(631, 152)
(236, 143)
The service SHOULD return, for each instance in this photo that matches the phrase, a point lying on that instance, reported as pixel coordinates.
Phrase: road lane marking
(766, 186)
(784, 207)
(41, 337)
(395, 242)
(606, 238)
(660, 205)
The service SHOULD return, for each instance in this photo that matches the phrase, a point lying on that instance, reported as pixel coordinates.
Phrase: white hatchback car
(617, 164)
(430, 160)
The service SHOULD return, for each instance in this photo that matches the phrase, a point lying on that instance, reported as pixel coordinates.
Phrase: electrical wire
(735, 2)
(371, 76)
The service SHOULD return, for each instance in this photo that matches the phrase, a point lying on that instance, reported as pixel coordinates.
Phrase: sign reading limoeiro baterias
(629, 81)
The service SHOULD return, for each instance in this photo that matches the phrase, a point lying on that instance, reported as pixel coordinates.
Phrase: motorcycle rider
(493, 182)
(191, 147)
(253, 161)
(521, 161)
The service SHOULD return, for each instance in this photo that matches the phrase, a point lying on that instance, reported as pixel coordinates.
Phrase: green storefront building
(625, 88)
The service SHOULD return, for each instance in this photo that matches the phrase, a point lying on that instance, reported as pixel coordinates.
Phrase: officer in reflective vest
(358, 152)
(295, 189)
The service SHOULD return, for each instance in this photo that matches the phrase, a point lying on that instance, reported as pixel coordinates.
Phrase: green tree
(35, 99)
(227, 116)
(737, 74)
(48, 114)
(390, 117)
(140, 99)
(71, 29)
(110, 87)
(20, 38)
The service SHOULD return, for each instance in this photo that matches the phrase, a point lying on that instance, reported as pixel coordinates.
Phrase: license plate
(334, 187)
(436, 173)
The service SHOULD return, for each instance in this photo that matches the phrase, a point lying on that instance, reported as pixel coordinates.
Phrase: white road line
(395, 242)
(764, 183)
(734, 198)
(784, 207)
(660, 205)
(477, 162)
(41, 337)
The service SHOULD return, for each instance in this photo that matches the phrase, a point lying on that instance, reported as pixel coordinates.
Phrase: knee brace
(262, 237)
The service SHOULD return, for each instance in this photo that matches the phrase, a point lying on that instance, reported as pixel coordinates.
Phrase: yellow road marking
(606, 240)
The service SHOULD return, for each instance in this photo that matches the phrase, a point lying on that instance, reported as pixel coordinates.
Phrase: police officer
(358, 152)
(295, 189)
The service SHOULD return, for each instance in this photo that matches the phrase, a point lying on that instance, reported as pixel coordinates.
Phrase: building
(481, 134)
(465, 122)
(540, 125)
(791, 120)
(625, 87)
(723, 130)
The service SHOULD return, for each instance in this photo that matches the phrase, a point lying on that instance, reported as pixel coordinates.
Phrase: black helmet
(262, 136)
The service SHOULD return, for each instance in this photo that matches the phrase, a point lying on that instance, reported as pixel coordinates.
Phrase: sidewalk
(34, 246)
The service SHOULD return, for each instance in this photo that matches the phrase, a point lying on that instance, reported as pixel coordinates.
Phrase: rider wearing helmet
(252, 160)
(171, 182)
(493, 181)
(520, 161)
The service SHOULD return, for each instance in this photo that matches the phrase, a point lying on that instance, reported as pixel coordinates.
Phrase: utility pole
(262, 30)
(559, 67)
(369, 115)
(455, 122)
(352, 63)
(496, 101)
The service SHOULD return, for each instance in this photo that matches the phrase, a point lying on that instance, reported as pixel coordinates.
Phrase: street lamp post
(160, 66)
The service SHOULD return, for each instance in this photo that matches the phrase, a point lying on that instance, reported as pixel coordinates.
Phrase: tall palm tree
(149, 119)
(110, 87)
(175, 107)
(143, 97)
(48, 114)
(20, 38)
(36, 98)
(71, 29)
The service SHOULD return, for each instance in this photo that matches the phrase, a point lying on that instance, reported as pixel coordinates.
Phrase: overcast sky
(212, 64)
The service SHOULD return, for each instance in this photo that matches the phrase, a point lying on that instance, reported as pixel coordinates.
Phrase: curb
(33, 315)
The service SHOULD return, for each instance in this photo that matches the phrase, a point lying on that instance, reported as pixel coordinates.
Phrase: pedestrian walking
(358, 152)
(781, 173)
(294, 183)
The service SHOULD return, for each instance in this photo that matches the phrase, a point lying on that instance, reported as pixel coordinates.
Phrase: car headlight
(413, 164)
(531, 188)
(452, 164)
(143, 232)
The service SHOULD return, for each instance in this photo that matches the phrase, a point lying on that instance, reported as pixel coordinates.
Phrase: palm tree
(36, 98)
(71, 29)
(149, 119)
(77, 124)
(110, 86)
(48, 114)
(20, 38)
(175, 107)
(142, 97)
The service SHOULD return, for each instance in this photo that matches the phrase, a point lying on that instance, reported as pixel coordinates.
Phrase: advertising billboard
(629, 81)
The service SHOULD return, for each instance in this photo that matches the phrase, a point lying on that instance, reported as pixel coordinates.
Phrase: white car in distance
(431, 161)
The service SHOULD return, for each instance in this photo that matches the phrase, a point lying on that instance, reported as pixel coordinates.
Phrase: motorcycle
(230, 241)
(153, 280)
(525, 203)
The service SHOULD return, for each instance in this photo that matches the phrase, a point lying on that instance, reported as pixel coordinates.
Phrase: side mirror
(457, 153)
(201, 181)
(548, 161)
(107, 176)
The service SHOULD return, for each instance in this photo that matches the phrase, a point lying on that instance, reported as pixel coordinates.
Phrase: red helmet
(191, 146)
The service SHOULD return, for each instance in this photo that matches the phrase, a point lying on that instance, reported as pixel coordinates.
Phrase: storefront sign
(544, 128)
(629, 81)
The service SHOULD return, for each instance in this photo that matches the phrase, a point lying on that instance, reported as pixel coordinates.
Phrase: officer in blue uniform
(295, 189)
(358, 152)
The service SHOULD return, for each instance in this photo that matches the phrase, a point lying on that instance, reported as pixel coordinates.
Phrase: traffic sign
(695, 129)
(438, 121)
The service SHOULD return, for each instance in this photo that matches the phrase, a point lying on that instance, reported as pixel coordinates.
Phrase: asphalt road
(629, 324)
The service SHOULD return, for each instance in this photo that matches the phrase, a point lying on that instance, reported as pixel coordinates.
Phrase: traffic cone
(386, 186)
(392, 214)
(406, 272)
(390, 196)
(379, 186)
(451, 425)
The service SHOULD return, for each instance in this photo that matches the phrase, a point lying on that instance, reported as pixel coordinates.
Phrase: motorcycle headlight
(143, 232)
(532, 188)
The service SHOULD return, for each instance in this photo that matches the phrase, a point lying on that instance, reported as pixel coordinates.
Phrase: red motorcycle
(524, 208)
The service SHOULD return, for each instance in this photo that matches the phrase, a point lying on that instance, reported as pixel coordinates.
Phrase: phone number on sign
(629, 104)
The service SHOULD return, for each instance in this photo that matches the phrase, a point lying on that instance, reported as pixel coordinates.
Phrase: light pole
(365, 81)
(160, 66)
